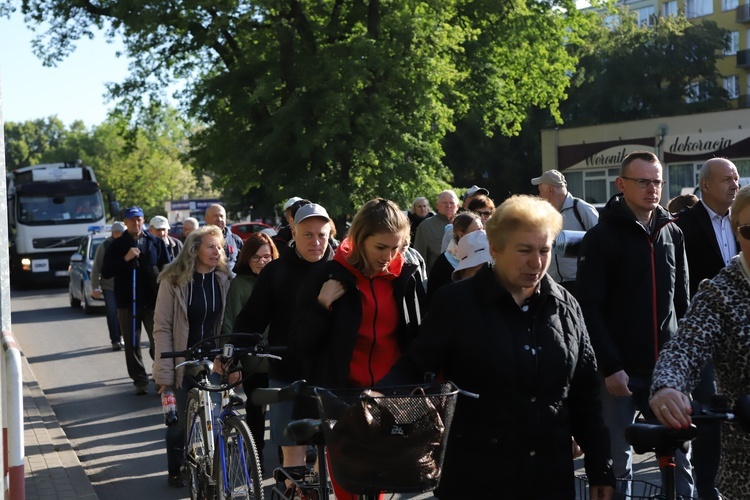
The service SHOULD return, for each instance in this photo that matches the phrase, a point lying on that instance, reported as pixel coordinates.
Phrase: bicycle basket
(394, 443)
(639, 490)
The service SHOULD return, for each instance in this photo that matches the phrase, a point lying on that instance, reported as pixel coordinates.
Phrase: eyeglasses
(645, 183)
(258, 258)
(744, 231)
(484, 213)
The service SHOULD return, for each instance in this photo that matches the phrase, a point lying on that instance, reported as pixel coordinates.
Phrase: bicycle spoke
(242, 471)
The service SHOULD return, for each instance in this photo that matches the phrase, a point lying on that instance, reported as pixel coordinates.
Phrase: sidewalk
(51, 467)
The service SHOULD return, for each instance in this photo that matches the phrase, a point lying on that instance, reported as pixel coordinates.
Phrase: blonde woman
(189, 308)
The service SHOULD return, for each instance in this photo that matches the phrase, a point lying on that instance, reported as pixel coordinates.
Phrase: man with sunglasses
(577, 216)
(710, 245)
(632, 285)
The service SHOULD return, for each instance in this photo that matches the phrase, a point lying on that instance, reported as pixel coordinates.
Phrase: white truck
(50, 208)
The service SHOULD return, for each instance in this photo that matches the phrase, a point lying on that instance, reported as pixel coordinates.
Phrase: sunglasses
(484, 213)
(744, 231)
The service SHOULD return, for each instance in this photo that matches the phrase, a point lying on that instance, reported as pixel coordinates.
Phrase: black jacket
(272, 303)
(537, 386)
(328, 337)
(440, 275)
(703, 253)
(632, 287)
(151, 261)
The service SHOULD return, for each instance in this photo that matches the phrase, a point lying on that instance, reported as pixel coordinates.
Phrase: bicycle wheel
(240, 477)
(196, 448)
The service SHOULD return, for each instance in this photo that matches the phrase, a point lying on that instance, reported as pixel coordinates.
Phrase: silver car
(79, 271)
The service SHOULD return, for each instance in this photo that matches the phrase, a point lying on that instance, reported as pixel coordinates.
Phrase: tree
(336, 101)
(632, 72)
(28, 143)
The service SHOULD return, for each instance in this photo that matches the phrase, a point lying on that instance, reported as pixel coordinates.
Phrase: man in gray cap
(159, 227)
(577, 216)
(105, 288)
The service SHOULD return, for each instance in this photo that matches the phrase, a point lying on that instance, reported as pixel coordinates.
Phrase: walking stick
(135, 268)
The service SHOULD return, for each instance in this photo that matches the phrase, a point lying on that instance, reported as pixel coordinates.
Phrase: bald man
(217, 216)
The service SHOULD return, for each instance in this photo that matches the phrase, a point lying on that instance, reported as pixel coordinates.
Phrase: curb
(51, 467)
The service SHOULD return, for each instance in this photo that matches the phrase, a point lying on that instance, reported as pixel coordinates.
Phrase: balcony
(743, 58)
(743, 14)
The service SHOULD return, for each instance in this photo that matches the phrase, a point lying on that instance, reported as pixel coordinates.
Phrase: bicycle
(665, 441)
(390, 441)
(220, 452)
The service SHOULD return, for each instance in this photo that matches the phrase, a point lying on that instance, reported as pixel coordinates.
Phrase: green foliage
(145, 167)
(335, 101)
(632, 72)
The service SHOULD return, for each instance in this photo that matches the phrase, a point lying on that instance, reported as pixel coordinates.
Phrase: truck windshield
(70, 209)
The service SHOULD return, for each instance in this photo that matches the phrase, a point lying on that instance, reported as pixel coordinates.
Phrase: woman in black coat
(516, 338)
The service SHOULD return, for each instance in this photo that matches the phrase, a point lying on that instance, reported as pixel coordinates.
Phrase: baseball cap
(118, 227)
(159, 222)
(476, 190)
(473, 250)
(132, 212)
(291, 201)
(310, 210)
(551, 177)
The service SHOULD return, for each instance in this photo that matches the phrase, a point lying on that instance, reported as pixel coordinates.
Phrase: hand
(163, 388)
(96, 293)
(601, 492)
(671, 407)
(577, 451)
(222, 368)
(133, 253)
(617, 384)
(331, 291)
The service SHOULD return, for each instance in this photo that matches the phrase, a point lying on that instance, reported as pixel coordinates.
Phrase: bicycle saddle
(650, 437)
(306, 430)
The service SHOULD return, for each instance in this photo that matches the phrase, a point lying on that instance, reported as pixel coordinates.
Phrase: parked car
(245, 229)
(79, 270)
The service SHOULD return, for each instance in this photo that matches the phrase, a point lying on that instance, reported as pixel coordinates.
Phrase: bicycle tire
(196, 448)
(240, 479)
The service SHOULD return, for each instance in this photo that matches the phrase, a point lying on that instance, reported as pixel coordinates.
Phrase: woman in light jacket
(189, 308)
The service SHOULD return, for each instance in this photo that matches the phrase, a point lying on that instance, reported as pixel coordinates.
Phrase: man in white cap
(283, 236)
(159, 227)
(471, 193)
(577, 216)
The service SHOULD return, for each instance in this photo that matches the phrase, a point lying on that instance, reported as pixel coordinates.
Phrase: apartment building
(590, 156)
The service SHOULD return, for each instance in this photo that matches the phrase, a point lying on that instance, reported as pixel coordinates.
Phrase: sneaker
(140, 390)
(176, 480)
(117, 346)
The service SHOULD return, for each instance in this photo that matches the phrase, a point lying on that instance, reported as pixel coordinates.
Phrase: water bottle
(169, 405)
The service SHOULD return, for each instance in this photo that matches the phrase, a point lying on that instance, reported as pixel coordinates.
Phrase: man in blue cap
(135, 260)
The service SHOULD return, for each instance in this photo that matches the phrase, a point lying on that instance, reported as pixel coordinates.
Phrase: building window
(729, 4)
(695, 92)
(732, 86)
(734, 43)
(697, 8)
(681, 175)
(669, 8)
(645, 16)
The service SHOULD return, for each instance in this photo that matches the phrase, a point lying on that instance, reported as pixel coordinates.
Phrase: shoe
(176, 480)
(140, 390)
(117, 346)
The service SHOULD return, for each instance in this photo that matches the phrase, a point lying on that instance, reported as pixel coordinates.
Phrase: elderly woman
(716, 327)
(189, 308)
(518, 339)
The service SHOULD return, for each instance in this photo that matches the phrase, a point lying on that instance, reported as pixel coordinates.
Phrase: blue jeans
(619, 412)
(113, 324)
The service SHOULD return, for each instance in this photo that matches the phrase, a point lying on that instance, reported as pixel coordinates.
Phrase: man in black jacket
(632, 285)
(136, 255)
(710, 245)
(272, 304)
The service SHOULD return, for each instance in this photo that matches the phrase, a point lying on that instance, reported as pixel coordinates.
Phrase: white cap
(473, 250)
(159, 222)
(291, 201)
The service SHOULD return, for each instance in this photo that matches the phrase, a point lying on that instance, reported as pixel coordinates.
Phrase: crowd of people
(564, 351)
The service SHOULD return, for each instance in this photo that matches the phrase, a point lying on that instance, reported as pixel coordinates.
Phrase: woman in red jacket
(358, 313)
